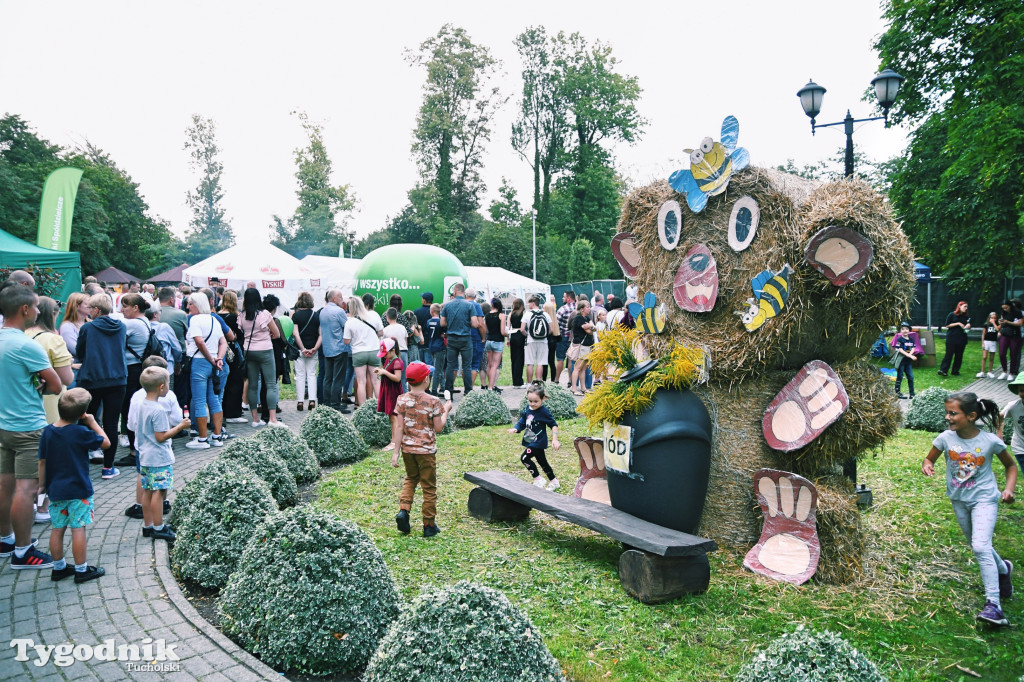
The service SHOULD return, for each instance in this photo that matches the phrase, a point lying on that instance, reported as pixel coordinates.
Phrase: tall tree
(959, 187)
(581, 261)
(541, 127)
(209, 231)
(320, 222)
(452, 127)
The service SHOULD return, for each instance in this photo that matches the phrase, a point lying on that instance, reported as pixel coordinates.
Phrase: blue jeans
(223, 382)
(205, 401)
(404, 354)
(905, 367)
(459, 346)
(426, 357)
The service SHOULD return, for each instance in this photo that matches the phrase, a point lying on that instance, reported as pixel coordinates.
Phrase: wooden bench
(658, 563)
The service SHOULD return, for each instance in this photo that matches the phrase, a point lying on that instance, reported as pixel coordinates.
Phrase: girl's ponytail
(987, 411)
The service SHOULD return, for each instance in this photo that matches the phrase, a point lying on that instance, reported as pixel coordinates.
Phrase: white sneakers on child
(979, 375)
(991, 375)
(553, 484)
(539, 482)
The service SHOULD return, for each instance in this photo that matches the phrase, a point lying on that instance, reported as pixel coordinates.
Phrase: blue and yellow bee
(771, 291)
(711, 166)
(650, 317)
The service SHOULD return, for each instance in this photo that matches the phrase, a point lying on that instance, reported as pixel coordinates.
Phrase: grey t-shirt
(1014, 416)
(153, 418)
(969, 476)
(137, 337)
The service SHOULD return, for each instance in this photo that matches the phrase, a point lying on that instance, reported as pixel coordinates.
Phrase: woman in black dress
(517, 342)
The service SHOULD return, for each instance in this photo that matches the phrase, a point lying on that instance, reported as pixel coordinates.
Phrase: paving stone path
(136, 599)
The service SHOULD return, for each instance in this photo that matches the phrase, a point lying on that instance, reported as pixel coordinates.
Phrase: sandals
(579, 394)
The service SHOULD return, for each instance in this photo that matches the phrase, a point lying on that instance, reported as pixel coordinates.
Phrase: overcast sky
(127, 76)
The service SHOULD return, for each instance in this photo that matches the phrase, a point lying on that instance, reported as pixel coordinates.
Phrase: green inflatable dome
(408, 270)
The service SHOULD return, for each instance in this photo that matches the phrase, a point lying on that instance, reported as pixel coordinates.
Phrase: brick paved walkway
(131, 602)
(136, 599)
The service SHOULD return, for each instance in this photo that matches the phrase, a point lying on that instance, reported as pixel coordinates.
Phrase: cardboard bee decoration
(711, 166)
(771, 291)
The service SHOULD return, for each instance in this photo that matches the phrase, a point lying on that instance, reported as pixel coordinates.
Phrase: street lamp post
(886, 84)
(351, 242)
(535, 244)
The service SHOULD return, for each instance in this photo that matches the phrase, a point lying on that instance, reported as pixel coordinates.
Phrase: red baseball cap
(417, 372)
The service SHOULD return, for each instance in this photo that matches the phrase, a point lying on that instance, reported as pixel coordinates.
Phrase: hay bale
(820, 321)
(839, 531)
(731, 513)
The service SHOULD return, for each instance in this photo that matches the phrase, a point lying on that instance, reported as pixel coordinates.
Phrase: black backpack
(538, 326)
(153, 347)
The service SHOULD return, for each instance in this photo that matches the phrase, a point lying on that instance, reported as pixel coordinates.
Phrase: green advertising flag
(56, 208)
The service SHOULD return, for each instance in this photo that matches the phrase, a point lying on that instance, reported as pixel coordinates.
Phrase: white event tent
(489, 282)
(274, 272)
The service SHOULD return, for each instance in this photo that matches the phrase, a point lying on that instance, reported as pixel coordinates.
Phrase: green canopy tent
(16, 254)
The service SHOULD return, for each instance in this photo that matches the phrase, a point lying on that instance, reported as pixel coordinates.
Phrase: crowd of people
(84, 371)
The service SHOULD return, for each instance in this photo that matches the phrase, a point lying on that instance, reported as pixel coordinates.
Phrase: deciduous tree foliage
(111, 225)
(452, 127)
(319, 224)
(959, 188)
(581, 261)
(209, 231)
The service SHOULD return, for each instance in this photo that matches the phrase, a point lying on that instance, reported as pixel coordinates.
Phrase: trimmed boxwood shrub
(311, 594)
(927, 410)
(266, 464)
(560, 401)
(332, 438)
(373, 426)
(186, 498)
(812, 656)
(297, 456)
(462, 632)
(480, 408)
(230, 507)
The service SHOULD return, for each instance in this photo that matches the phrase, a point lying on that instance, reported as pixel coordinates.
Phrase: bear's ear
(841, 254)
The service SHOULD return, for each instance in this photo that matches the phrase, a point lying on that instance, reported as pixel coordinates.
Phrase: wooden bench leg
(653, 579)
(486, 506)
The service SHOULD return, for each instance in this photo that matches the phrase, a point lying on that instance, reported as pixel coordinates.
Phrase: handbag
(292, 351)
(574, 351)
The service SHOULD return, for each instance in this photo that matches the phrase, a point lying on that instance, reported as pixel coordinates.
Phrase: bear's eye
(670, 224)
(706, 145)
(743, 222)
(696, 157)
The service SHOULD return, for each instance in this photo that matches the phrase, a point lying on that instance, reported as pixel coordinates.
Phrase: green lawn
(913, 614)
(926, 377)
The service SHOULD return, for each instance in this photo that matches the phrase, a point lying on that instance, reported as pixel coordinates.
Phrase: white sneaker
(237, 420)
(245, 406)
(979, 375)
(43, 517)
(1002, 375)
(539, 482)
(280, 425)
(95, 456)
(123, 441)
(217, 441)
(198, 444)
(1011, 377)
(258, 424)
(553, 484)
(991, 375)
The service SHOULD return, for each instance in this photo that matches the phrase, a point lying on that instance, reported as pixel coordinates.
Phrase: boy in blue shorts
(64, 472)
(156, 455)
